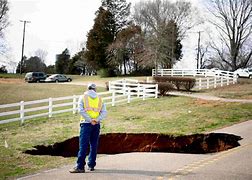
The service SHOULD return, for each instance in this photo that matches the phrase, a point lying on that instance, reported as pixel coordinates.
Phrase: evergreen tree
(22, 65)
(50, 69)
(98, 39)
(169, 45)
(77, 63)
(3, 69)
(62, 62)
(32, 64)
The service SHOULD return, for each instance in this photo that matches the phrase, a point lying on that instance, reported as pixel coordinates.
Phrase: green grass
(167, 115)
(18, 76)
(21, 91)
(12, 93)
(242, 90)
(104, 79)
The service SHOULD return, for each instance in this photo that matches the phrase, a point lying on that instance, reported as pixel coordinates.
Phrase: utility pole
(22, 56)
(198, 52)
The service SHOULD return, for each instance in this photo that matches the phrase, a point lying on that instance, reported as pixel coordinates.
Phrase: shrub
(164, 87)
(106, 72)
(187, 83)
(103, 73)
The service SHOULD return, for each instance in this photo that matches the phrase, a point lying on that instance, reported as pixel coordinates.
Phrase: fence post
(50, 107)
(74, 104)
(138, 90)
(109, 86)
(207, 82)
(162, 72)
(22, 112)
(200, 82)
(124, 88)
(113, 98)
(156, 91)
(228, 81)
(144, 93)
(215, 83)
(234, 79)
(221, 81)
(128, 95)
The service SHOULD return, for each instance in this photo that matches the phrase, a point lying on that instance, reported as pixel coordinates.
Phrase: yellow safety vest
(92, 106)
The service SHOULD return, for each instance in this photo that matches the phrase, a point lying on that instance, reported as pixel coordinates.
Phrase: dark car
(35, 77)
(58, 78)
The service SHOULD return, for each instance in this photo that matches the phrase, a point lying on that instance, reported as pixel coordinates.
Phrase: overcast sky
(56, 25)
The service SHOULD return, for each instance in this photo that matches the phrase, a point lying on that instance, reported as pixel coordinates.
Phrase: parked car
(35, 77)
(214, 72)
(244, 73)
(58, 78)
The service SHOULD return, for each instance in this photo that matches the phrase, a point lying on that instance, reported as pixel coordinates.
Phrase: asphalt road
(227, 165)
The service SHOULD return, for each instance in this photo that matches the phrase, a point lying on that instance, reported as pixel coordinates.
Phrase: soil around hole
(115, 143)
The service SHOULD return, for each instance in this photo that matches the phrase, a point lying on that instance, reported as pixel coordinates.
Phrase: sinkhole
(115, 143)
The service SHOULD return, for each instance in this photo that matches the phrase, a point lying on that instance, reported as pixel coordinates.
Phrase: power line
(22, 56)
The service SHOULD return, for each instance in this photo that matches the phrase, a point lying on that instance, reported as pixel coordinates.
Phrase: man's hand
(94, 122)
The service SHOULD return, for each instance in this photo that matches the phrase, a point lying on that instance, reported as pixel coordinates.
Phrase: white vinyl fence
(212, 82)
(205, 78)
(48, 107)
(129, 86)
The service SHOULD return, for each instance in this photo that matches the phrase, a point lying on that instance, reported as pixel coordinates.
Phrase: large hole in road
(114, 143)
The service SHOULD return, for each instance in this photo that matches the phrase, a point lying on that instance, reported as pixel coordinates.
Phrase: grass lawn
(242, 90)
(16, 90)
(168, 115)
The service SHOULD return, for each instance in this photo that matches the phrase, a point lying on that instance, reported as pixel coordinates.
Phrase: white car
(214, 72)
(244, 73)
(58, 78)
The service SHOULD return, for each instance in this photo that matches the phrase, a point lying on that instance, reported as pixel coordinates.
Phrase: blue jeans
(89, 135)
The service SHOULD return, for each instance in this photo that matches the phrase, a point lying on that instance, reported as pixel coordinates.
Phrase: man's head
(91, 86)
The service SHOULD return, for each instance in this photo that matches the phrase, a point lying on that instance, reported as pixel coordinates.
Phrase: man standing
(92, 111)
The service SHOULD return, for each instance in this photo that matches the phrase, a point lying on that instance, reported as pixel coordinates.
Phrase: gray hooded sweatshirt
(83, 113)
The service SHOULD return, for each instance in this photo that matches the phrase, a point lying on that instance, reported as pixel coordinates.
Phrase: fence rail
(206, 78)
(120, 92)
(133, 87)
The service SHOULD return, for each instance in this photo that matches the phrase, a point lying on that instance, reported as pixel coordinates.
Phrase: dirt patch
(11, 81)
(207, 103)
(115, 143)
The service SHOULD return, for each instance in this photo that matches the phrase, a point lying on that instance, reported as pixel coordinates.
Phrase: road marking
(204, 162)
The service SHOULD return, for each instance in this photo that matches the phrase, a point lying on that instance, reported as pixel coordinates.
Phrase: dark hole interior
(115, 143)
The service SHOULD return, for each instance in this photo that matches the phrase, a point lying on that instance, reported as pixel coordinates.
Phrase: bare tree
(233, 20)
(203, 50)
(154, 15)
(41, 54)
(122, 52)
(4, 8)
(165, 25)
